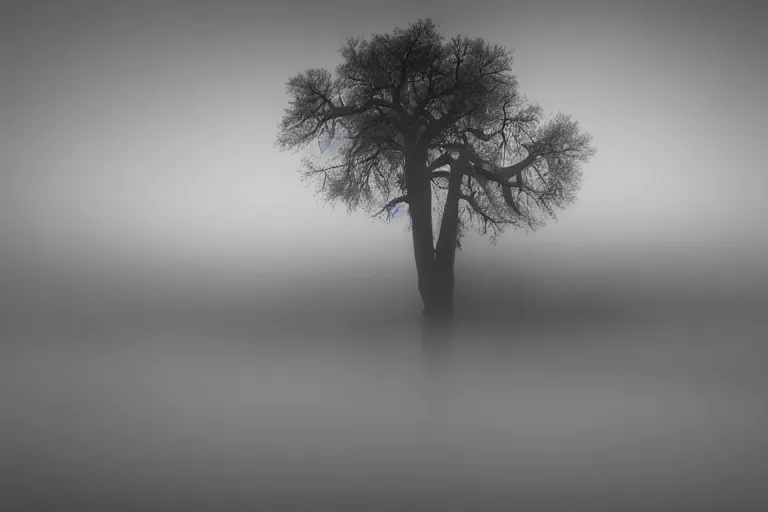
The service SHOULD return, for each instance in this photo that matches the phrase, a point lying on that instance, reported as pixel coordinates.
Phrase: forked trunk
(436, 277)
(440, 302)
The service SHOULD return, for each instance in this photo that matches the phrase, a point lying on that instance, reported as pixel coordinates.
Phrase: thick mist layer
(635, 415)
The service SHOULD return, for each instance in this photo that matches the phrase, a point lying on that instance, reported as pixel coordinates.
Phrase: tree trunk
(445, 252)
(438, 306)
(434, 265)
(420, 207)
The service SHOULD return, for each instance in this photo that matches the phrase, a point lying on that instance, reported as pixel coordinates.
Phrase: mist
(186, 325)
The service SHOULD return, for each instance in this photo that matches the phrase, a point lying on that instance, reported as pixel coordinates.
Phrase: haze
(183, 318)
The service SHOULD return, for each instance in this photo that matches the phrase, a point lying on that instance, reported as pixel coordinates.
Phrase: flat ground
(643, 412)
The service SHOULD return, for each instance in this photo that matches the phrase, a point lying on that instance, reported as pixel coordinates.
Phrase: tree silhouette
(440, 125)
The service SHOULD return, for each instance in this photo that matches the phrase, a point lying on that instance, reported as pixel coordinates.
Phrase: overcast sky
(139, 135)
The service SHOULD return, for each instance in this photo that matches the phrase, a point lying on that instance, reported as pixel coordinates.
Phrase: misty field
(635, 413)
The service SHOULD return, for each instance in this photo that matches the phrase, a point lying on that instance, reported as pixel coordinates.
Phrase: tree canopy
(453, 101)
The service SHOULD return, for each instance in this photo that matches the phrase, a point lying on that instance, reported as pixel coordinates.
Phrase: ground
(659, 411)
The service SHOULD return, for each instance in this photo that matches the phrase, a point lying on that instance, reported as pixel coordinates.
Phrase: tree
(440, 125)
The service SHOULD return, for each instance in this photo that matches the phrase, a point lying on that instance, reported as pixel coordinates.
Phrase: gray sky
(139, 136)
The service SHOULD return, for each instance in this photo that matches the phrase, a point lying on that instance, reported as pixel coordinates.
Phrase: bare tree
(433, 122)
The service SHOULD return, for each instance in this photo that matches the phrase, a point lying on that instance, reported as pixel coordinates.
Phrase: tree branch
(506, 192)
(397, 91)
(476, 207)
(391, 204)
(498, 174)
(480, 135)
(516, 169)
(441, 161)
(350, 110)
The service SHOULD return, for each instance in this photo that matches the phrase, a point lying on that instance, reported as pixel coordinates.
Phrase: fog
(221, 400)
(185, 326)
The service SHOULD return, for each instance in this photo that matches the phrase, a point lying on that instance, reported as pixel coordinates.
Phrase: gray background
(184, 324)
